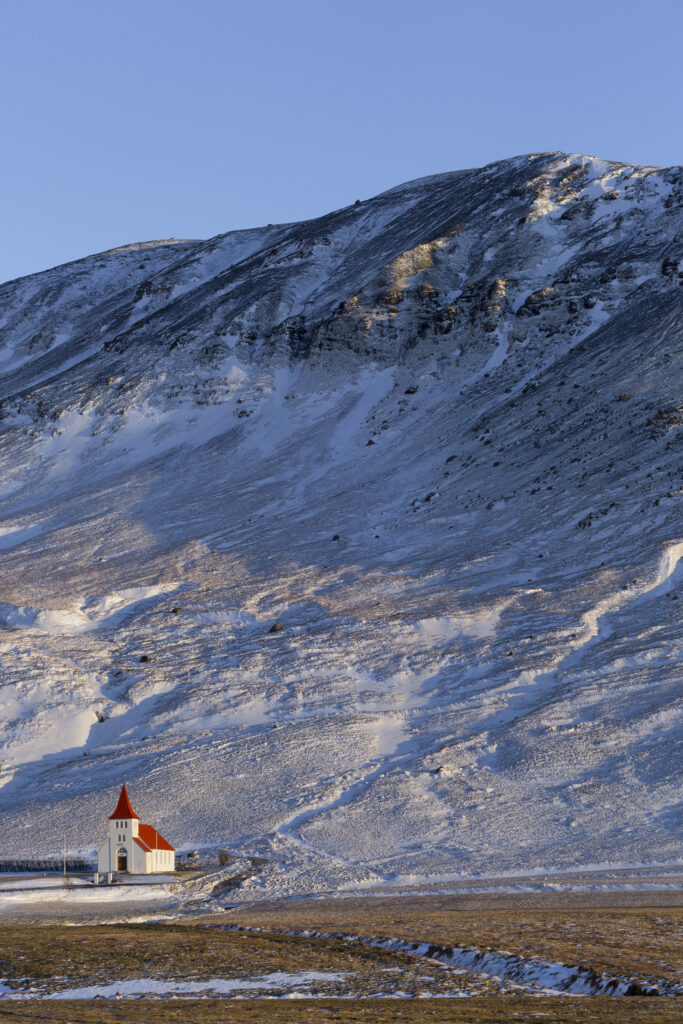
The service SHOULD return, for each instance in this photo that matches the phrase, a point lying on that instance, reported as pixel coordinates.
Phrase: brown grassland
(634, 935)
(487, 1010)
(54, 957)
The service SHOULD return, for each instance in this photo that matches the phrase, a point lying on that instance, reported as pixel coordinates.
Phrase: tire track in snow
(532, 686)
(289, 829)
(666, 579)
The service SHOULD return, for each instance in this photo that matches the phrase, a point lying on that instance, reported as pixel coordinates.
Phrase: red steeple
(123, 808)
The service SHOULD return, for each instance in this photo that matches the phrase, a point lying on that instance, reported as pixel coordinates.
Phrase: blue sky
(125, 121)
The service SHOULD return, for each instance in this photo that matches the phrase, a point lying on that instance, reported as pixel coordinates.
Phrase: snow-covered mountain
(435, 437)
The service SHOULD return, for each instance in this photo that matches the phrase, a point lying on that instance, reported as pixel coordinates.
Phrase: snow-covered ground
(436, 438)
(12, 898)
(9, 883)
(286, 983)
(28, 883)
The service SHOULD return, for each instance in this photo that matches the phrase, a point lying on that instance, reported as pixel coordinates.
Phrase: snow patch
(132, 987)
(94, 613)
(448, 627)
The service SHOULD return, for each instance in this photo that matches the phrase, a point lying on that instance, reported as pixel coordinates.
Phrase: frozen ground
(278, 983)
(435, 437)
(47, 901)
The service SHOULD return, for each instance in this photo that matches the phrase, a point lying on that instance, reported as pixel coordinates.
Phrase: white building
(133, 847)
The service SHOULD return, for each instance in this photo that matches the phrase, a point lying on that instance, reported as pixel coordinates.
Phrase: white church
(131, 846)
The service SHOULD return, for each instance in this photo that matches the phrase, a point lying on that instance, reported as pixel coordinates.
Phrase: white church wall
(103, 859)
(139, 860)
(162, 860)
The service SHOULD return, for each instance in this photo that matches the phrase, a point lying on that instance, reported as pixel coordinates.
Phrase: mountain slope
(435, 436)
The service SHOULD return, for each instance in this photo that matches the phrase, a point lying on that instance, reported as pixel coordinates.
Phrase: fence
(22, 865)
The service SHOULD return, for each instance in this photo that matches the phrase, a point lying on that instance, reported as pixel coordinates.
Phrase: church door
(122, 860)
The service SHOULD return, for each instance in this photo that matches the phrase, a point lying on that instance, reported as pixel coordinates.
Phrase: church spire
(123, 808)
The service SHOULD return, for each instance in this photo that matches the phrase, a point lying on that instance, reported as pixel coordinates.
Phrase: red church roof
(123, 808)
(151, 839)
(148, 838)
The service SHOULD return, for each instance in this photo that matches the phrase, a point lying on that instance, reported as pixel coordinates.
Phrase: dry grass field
(518, 1010)
(636, 935)
(54, 958)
